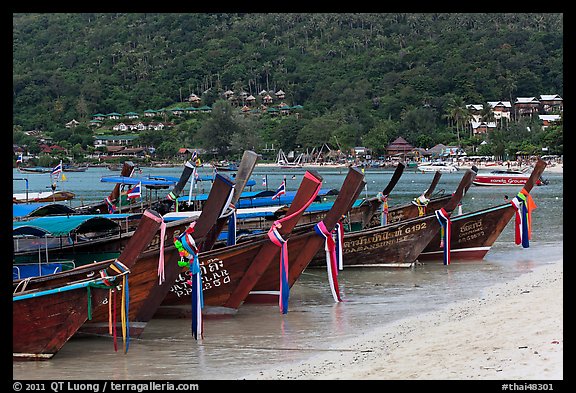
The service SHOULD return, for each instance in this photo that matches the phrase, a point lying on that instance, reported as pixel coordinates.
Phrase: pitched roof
(399, 142)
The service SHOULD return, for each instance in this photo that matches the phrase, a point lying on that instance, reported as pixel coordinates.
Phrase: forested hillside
(362, 79)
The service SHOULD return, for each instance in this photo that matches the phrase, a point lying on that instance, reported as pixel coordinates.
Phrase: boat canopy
(20, 211)
(65, 225)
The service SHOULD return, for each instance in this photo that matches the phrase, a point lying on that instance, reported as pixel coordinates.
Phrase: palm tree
(457, 111)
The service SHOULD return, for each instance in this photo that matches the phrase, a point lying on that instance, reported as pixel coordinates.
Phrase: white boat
(440, 166)
(505, 178)
(45, 196)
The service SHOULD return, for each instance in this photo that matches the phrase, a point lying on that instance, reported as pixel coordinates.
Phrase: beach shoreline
(484, 167)
(513, 331)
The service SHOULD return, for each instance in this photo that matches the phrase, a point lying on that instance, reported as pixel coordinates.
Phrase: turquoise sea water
(258, 336)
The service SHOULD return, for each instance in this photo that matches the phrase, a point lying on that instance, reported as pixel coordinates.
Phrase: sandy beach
(484, 167)
(514, 331)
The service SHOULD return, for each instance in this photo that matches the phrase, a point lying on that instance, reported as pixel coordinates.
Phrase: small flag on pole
(57, 169)
(264, 181)
(135, 192)
(281, 190)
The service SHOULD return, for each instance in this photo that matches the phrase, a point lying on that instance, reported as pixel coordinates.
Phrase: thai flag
(56, 170)
(281, 190)
(136, 191)
(264, 181)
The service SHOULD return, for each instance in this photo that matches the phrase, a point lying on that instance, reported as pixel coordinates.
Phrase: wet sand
(514, 331)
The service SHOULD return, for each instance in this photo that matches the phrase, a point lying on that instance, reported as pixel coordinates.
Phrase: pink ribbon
(331, 259)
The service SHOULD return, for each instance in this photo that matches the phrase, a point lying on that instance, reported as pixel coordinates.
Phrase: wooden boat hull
(392, 245)
(49, 310)
(146, 293)
(222, 272)
(385, 239)
(147, 290)
(306, 243)
(472, 235)
(229, 273)
(34, 170)
(41, 326)
(399, 243)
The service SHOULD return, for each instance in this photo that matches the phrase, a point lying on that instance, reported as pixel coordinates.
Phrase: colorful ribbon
(421, 202)
(278, 240)
(331, 259)
(187, 248)
(161, 277)
(340, 244)
(445, 232)
(110, 205)
(124, 311)
(384, 215)
(524, 204)
(171, 196)
(231, 240)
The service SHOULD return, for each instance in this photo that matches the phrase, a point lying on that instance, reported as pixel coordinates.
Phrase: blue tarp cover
(23, 210)
(62, 225)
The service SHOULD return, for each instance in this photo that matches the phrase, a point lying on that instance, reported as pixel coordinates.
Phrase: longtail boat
(244, 171)
(275, 283)
(48, 310)
(398, 243)
(505, 178)
(108, 204)
(373, 212)
(474, 233)
(156, 269)
(97, 243)
(229, 273)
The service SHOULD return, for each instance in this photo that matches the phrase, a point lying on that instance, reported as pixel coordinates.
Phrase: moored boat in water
(156, 269)
(399, 243)
(505, 178)
(474, 233)
(43, 196)
(48, 310)
(304, 244)
(229, 273)
(440, 166)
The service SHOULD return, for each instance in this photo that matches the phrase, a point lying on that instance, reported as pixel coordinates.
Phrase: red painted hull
(502, 180)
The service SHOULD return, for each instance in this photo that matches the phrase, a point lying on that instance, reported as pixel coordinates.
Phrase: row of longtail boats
(180, 269)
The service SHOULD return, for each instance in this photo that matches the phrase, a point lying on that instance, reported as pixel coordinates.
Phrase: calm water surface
(258, 336)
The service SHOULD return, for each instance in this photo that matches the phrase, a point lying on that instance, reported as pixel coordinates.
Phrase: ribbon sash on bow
(445, 232)
(278, 240)
(331, 258)
(524, 204)
(187, 247)
(384, 214)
